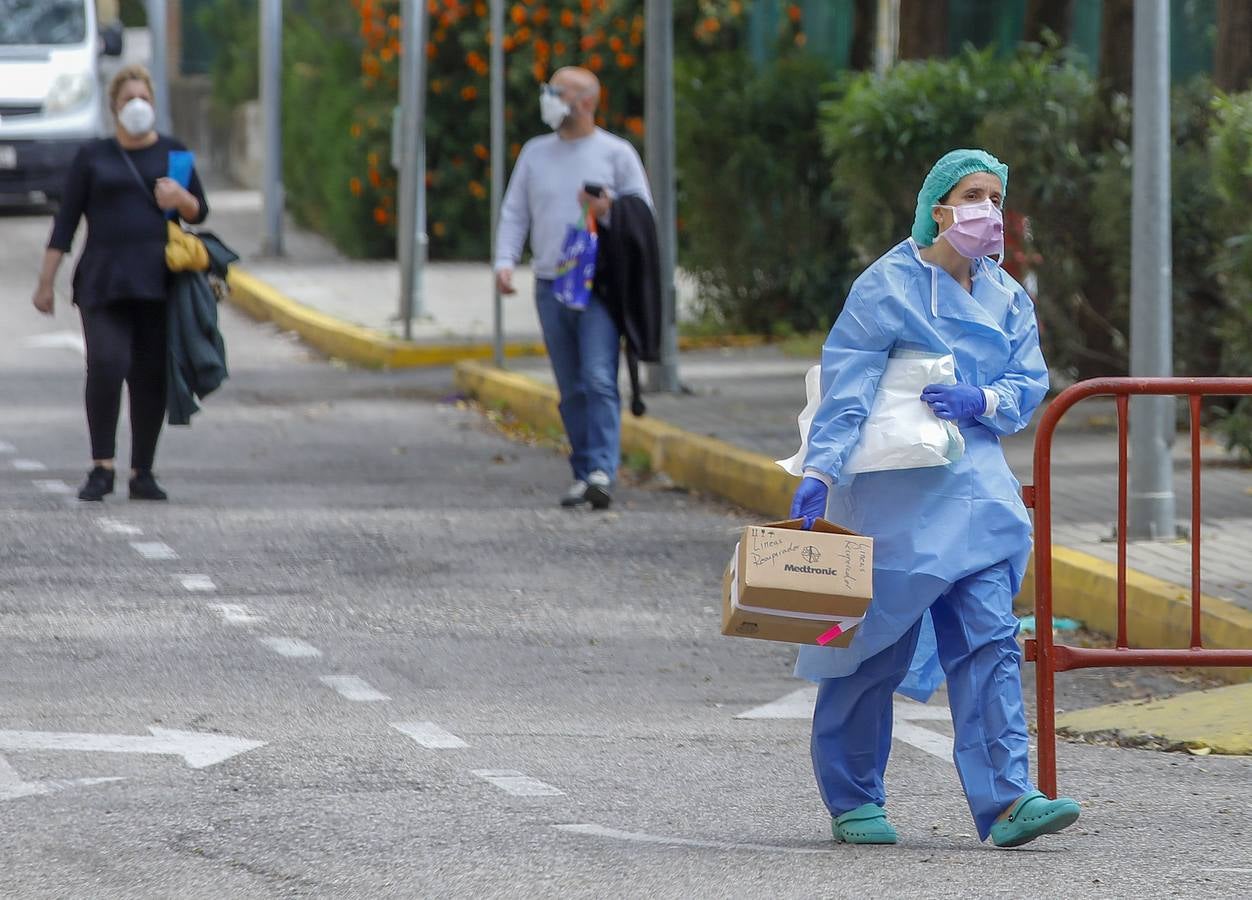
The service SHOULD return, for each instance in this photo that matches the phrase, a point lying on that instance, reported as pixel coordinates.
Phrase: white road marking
(430, 735)
(517, 784)
(58, 340)
(799, 705)
(293, 648)
(196, 582)
(29, 465)
(641, 838)
(52, 486)
(12, 786)
(236, 613)
(154, 550)
(197, 749)
(114, 526)
(6, 447)
(352, 688)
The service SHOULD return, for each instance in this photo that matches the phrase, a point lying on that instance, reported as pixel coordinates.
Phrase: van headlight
(68, 91)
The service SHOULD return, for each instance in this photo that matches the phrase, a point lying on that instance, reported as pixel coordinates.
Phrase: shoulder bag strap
(143, 185)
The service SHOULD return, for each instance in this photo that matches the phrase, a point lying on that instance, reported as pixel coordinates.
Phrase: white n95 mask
(137, 117)
(552, 109)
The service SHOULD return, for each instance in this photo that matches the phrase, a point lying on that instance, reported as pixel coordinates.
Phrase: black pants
(126, 342)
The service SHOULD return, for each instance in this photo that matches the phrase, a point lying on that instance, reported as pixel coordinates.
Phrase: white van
(51, 96)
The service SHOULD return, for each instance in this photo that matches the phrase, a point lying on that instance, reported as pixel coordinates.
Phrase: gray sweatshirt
(542, 196)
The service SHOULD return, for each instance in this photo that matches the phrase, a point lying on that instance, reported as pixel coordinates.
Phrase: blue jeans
(584, 348)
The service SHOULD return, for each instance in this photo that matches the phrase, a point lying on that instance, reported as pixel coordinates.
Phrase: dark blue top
(124, 257)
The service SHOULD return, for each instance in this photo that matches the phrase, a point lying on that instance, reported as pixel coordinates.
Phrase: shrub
(762, 232)
(1231, 154)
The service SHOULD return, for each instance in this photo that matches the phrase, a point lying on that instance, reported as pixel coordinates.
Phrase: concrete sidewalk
(739, 413)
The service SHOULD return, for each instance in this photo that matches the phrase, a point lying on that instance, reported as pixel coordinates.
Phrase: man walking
(545, 195)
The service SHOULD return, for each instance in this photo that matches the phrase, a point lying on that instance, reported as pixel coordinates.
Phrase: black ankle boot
(98, 484)
(144, 487)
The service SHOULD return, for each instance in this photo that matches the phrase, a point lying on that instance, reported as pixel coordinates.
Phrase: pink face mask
(977, 229)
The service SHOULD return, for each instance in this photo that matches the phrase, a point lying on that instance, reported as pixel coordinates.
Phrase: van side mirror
(111, 39)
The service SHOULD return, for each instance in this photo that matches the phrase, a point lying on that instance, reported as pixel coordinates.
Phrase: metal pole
(411, 234)
(272, 125)
(1152, 421)
(497, 169)
(887, 35)
(659, 116)
(158, 66)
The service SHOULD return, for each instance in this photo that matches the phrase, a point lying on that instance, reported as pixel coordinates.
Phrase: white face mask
(552, 109)
(137, 117)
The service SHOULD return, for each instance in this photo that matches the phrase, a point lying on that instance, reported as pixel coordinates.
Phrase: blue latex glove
(809, 502)
(955, 401)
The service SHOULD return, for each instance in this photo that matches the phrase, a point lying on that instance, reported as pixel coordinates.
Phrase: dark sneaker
(99, 483)
(599, 490)
(575, 496)
(144, 487)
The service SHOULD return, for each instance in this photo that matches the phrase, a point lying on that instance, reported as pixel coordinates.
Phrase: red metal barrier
(1050, 657)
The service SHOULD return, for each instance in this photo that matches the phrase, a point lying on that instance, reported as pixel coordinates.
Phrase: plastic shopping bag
(576, 270)
(900, 432)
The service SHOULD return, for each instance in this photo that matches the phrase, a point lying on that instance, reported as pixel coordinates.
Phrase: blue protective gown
(952, 540)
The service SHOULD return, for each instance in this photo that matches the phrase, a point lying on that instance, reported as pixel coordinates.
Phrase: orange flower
(376, 178)
(567, 18)
(515, 150)
(615, 44)
(355, 130)
(539, 70)
(586, 5)
(481, 151)
(626, 60)
(634, 125)
(636, 39)
(541, 16)
(620, 24)
(480, 10)
(542, 49)
(372, 159)
(469, 92)
(509, 43)
(595, 63)
(522, 36)
(431, 50)
(588, 41)
(386, 55)
(370, 65)
(712, 26)
(393, 21)
(432, 7)
(794, 13)
(439, 229)
(380, 215)
(477, 190)
(355, 186)
(519, 14)
(436, 86)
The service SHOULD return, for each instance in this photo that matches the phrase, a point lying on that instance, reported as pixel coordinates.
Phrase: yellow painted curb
(1219, 720)
(694, 462)
(1084, 587)
(352, 343)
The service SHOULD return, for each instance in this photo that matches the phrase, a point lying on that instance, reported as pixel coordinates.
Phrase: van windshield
(42, 22)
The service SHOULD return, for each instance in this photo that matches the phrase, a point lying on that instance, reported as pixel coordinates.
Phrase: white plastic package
(900, 432)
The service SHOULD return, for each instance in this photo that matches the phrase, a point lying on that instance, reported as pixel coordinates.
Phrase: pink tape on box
(827, 636)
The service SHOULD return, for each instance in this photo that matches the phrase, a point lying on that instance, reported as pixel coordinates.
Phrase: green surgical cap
(950, 169)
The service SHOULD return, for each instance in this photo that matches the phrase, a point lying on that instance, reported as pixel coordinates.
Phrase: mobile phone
(594, 190)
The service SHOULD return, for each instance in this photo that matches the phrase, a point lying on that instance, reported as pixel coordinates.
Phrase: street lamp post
(1152, 509)
(158, 66)
(272, 127)
(497, 170)
(411, 225)
(659, 116)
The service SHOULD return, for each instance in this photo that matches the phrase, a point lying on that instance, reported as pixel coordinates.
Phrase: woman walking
(952, 540)
(121, 282)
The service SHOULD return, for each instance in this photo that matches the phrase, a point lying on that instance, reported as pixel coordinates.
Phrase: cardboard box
(801, 587)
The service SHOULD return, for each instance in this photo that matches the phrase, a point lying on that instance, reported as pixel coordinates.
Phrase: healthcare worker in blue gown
(950, 542)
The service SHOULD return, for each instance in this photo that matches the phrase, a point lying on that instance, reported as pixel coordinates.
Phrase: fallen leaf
(1199, 751)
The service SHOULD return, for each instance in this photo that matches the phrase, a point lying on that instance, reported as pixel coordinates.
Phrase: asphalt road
(380, 662)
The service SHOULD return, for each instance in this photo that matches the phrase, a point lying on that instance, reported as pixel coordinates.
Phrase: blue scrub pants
(584, 347)
(977, 636)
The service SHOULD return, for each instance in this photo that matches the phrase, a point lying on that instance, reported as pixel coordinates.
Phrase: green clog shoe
(1032, 816)
(864, 825)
